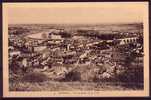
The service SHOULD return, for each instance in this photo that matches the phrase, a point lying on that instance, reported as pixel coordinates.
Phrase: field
(69, 86)
(50, 85)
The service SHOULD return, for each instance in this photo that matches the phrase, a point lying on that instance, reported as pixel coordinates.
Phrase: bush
(133, 75)
(132, 79)
(35, 77)
(73, 76)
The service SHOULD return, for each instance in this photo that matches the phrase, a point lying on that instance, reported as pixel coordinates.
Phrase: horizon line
(80, 23)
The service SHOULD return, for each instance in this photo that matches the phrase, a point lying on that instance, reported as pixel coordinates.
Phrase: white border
(140, 93)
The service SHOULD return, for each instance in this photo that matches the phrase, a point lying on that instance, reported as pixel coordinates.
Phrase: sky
(76, 14)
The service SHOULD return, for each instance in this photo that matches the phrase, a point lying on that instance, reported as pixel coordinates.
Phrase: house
(12, 53)
(55, 36)
(39, 48)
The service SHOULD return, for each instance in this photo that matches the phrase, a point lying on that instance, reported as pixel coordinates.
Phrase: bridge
(128, 40)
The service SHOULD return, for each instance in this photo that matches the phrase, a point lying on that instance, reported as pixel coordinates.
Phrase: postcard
(76, 49)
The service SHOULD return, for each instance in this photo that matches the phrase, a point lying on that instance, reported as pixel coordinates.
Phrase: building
(15, 52)
(45, 35)
(39, 48)
(54, 36)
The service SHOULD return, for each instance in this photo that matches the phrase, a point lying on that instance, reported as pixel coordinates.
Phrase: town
(76, 54)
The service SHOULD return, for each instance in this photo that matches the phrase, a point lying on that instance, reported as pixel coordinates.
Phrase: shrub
(73, 76)
(133, 75)
(35, 77)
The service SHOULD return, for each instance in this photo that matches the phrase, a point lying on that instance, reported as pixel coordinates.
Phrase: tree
(65, 34)
(73, 76)
(132, 73)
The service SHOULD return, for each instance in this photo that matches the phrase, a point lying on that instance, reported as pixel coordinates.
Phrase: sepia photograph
(92, 49)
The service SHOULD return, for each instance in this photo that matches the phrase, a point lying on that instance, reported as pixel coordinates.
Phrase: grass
(38, 81)
(35, 77)
(67, 86)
